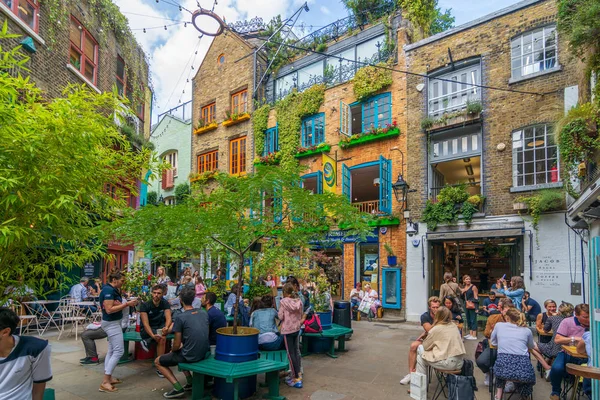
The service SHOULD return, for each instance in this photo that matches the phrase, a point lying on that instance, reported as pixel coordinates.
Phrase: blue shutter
(277, 204)
(385, 185)
(346, 179)
(319, 182)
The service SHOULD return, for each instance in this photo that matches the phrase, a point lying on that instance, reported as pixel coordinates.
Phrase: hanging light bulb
(165, 27)
(144, 30)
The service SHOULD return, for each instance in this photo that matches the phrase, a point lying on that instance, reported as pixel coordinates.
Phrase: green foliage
(452, 201)
(137, 141)
(182, 191)
(544, 200)
(474, 107)
(219, 289)
(152, 198)
(453, 194)
(260, 123)
(426, 16)
(57, 157)
(370, 80)
(321, 47)
(135, 278)
(366, 11)
(442, 21)
(427, 123)
(321, 296)
(280, 57)
(389, 249)
(256, 288)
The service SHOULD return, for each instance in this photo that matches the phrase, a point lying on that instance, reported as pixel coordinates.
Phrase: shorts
(172, 359)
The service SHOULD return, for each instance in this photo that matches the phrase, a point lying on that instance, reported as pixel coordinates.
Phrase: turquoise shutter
(385, 185)
(277, 204)
(346, 179)
(319, 182)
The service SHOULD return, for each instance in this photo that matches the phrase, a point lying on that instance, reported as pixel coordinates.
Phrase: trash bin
(342, 314)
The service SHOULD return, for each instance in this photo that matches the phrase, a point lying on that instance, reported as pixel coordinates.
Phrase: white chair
(70, 313)
(28, 318)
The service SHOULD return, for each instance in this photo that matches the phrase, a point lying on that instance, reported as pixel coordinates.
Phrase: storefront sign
(88, 270)
(546, 272)
(339, 236)
(329, 173)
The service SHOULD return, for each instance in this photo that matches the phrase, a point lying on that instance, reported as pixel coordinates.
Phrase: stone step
(390, 320)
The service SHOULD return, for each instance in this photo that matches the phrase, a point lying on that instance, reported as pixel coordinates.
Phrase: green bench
(337, 332)
(232, 373)
(275, 355)
(132, 336)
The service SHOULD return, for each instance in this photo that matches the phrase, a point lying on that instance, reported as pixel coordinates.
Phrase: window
(239, 102)
(369, 186)
(208, 161)
(208, 113)
(534, 51)
(313, 130)
(313, 182)
(141, 106)
(171, 158)
(121, 76)
(170, 201)
(535, 156)
(26, 10)
(125, 89)
(271, 141)
(375, 112)
(84, 51)
(120, 193)
(237, 156)
(452, 93)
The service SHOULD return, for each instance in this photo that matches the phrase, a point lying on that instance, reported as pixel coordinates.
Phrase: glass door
(391, 288)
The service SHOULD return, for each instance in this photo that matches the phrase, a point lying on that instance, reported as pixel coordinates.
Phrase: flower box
(366, 138)
(206, 128)
(269, 159)
(385, 221)
(240, 118)
(308, 153)
(454, 120)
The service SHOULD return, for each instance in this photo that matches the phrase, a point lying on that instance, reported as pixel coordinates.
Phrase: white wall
(417, 291)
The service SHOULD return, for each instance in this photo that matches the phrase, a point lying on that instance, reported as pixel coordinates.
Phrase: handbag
(460, 387)
(470, 305)
(365, 305)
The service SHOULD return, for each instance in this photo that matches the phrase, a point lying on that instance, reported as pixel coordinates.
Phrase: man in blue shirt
(79, 293)
(216, 318)
(530, 307)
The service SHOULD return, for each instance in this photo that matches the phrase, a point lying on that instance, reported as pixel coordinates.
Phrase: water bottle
(572, 341)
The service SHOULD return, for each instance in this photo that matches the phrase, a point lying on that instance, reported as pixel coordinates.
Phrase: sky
(175, 53)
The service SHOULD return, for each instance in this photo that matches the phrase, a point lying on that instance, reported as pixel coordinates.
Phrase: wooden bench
(132, 336)
(232, 372)
(337, 332)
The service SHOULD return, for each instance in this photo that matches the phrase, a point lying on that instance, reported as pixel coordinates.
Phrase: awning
(475, 234)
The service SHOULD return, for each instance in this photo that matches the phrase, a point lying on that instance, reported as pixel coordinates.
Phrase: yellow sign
(329, 173)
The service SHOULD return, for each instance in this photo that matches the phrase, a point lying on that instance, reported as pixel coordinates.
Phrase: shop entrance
(367, 262)
(485, 260)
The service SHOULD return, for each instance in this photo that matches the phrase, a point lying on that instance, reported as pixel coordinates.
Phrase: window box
(355, 140)
(269, 159)
(206, 128)
(386, 221)
(451, 120)
(312, 151)
(236, 120)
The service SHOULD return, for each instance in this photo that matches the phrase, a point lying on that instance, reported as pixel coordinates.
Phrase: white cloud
(325, 10)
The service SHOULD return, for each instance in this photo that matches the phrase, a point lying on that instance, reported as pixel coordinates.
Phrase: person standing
(290, 314)
(516, 291)
(113, 305)
(216, 318)
(471, 297)
(24, 361)
(156, 318)
(449, 287)
(200, 287)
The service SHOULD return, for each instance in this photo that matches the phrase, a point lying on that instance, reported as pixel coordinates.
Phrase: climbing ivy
(369, 80)
(260, 123)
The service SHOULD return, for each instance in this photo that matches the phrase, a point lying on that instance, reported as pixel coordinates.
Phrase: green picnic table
(232, 372)
(337, 332)
(132, 336)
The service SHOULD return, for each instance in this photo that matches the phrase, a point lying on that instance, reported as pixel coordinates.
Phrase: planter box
(385, 222)
(309, 153)
(240, 118)
(458, 120)
(206, 128)
(520, 206)
(370, 138)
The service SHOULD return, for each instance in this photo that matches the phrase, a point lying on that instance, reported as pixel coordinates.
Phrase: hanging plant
(369, 80)
(544, 200)
(452, 202)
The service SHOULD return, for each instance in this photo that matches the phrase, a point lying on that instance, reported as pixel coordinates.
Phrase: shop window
(313, 130)
(374, 112)
(369, 186)
(208, 161)
(534, 51)
(208, 113)
(535, 156)
(84, 51)
(237, 156)
(239, 102)
(367, 264)
(452, 93)
(26, 10)
(271, 141)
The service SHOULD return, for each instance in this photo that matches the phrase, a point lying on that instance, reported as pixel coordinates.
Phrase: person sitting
(24, 361)
(451, 304)
(585, 347)
(449, 287)
(373, 297)
(540, 321)
(530, 307)
(443, 348)
(216, 318)
(570, 331)
(231, 300)
(265, 320)
(356, 296)
(426, 322)
(516, 291)
(514, 341)
(484, 361)
(551, 349)
(93, 288)
(155, 316)
(490, 305)
(89, 337)
(79, 293)
(190, 345)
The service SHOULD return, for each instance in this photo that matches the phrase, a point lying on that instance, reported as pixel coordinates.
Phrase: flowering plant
(372, 131)
(138, 280)
(301, 149)
(269, 159)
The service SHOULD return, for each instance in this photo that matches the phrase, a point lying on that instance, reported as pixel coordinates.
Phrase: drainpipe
(530, 254)
(423, 253)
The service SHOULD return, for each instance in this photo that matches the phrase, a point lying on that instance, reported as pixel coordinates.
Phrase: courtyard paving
(371, 369)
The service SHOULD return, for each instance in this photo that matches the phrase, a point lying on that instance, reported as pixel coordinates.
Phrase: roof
(472, 24)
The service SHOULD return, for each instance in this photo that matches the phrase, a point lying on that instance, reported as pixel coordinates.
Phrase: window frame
(304, 133)
(548, 133)
(239, 158)
(465, 91)
(206, 164)
(210, 113)
(271, 140)
(14, 8)
(543, 62)
(239, 95)
(79, 49)
(172, 158)
(347, 123)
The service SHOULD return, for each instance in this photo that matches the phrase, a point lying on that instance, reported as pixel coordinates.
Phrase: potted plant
(391, 258)
(322, 301)
(138, 281)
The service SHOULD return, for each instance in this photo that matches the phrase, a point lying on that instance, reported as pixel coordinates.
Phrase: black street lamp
(401, 188)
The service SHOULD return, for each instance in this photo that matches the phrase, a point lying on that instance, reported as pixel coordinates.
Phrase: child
(290, 314)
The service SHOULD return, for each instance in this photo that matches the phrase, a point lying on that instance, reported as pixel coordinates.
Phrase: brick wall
(503, 112)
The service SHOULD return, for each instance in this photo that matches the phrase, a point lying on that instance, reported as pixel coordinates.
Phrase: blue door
(391, 288)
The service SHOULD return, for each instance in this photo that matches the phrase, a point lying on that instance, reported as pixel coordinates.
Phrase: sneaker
(486, 379)
(405, 380)
(297, 383)
(174, 394)
(89, 361)
(160, 375)
(188, 387)
(469, 337)
(144, 345)
(547, 375)
(509, 387)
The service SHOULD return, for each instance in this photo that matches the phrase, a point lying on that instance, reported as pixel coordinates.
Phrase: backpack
(460, 387)
(312, 323)
(467, 371)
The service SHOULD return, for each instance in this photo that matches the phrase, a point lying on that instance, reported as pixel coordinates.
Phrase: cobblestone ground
(371, 369)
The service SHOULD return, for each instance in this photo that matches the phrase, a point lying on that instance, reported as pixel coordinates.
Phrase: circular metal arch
(208, 13)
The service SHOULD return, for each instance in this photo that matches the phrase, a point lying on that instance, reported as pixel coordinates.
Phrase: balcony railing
(592, 173)
(371, 206)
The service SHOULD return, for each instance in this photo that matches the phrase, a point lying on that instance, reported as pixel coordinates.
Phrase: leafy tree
(426, 16)
(234, 214)
(181, 192)
(442, 21)
(57, 158)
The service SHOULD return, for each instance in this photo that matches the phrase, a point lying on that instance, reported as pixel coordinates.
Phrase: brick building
(68, 44)
(512, 71)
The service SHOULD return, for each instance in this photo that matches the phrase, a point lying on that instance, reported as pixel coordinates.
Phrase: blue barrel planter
(325, 318)
(392, 260)
(236, 349)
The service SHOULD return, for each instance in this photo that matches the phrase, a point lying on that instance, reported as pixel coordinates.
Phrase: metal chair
(71, 313)
(29, 318)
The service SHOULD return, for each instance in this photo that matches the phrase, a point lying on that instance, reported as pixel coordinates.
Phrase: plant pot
(236, 349)
(326, 319)
(392, 260)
